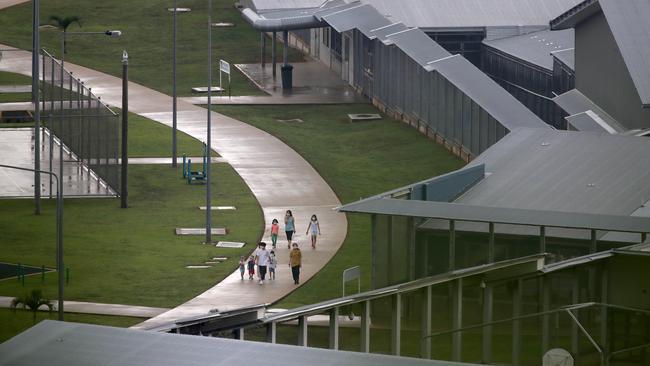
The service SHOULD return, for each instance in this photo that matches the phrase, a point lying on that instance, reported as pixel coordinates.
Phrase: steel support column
(396, 329)
(285, 49)
(263, 50)
(271, 332)
(365, 328)
(452, 245)
(274, 53)
(488, 311)
(491, 243)
(425, 345)
(302, 330)
(542, 239)
(546, 318)
(575, 298)
(457, 318)
(334, 329)
(593, 247)
(516, 324)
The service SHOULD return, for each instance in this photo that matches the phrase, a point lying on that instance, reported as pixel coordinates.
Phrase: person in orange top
(295, 260)
(275, 228)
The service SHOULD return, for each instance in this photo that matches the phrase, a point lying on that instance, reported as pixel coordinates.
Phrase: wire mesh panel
(88, 128)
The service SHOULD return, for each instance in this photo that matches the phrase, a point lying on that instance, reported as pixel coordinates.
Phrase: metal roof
(589, 121)
(270, 5)
(574, 102)
(567, 57)
(58, 343)
(628, 21)
(535, 48)
(566, 171)
(417, 45)
(499, 215)
(471, 13)
(362, 17)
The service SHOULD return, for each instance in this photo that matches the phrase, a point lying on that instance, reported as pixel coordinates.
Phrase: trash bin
(287, 79)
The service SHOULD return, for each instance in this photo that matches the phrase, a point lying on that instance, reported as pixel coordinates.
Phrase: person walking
(262, 261)
(242, 266)
(313, 230)
(275, 228)
(289, 227)
(273, 263)
(295, 260)
(251, 267)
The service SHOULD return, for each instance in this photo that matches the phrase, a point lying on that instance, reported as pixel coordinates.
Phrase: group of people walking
(266, 261)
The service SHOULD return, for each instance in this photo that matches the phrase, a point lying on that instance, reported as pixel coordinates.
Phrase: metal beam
(271, 332)
(546, 319)
(575, 298)
(274, 52)
(488, 311)
(285, 49)
(452, 245)
(425, 343)
(542, 239)
(262, 50)
(491, 243)
(334, 329)
(516, 324)
(302, 330)
(365, 327)
(457, 318)
(396, 329)
(593, 248)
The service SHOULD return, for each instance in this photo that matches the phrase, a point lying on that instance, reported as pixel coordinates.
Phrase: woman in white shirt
(313, 229)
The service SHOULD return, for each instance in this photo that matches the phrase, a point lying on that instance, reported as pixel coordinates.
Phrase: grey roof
(566, 56)
(362, 17)
(535, 48)
(564, 171)
(589, 121)
(574, 103)
(57, 343)
(471, 13)
(270, 5)
(498, 215)
(628, 21)
(417, 45)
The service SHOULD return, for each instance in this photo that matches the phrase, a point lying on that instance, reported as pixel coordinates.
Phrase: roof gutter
(281, 24)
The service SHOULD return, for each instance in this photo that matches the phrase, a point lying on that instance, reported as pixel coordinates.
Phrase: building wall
(602, 76)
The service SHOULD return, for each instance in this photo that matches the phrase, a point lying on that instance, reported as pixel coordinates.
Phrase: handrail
(395, 289)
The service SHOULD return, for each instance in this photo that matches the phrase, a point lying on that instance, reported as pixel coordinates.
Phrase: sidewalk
(279, 178)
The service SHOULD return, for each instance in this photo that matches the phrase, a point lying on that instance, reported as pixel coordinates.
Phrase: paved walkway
(279, 178)
(100, 309)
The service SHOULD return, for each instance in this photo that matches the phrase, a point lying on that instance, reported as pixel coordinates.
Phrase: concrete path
(99, 309)
(279, 178)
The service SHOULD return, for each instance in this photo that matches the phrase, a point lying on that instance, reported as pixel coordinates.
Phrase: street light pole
(125, 131)
(174, 108)
(208, 198)
(59, 229)
(36, 101)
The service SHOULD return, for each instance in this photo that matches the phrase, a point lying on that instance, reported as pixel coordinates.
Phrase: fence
(81, 121)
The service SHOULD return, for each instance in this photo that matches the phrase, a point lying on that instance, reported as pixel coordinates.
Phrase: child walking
(273, 262)
(251, 267)
(313, 230)
(275, 228)
(242, 266)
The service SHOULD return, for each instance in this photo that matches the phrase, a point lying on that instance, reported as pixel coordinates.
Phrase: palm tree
(33, 301)
(63, 24)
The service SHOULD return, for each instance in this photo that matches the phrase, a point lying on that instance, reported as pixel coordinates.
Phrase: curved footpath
(279, 178)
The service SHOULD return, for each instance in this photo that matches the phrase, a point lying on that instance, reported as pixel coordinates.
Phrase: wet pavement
(279, 178)
(17, 149)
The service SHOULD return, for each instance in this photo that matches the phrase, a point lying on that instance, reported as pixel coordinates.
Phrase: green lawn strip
(14, 322)
(131, 256)
(357, 160)
(11, 78)
(148, 138)
(147, 36)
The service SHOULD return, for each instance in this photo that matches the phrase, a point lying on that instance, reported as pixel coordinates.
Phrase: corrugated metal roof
(567, 57)
(535, 48)
(628, 21)
(564, 171)
(589, 121)
(363, 17)
(417, 45)
(574, 102)
(499, 215)
(471, 13)
(384, 31)
(57, 343)
(270, 5)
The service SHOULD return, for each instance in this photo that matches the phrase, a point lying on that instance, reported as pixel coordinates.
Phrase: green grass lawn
(9, 78)
(147, 36)
(357, 160)
(14, 322)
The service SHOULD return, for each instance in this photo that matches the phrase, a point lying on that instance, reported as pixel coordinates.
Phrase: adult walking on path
(262, 259)
(289, 227)
(295, 261)
(277, 175)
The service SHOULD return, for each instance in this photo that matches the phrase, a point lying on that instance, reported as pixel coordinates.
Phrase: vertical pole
(285, 49)
(174, 106)
(593, 248)
(302, 331)
(271, 331)
(604, 339)
(396, 329)
(125, 130)
(36, 101)
(546, 319)
(491, 243)
(61, 124)
(262, 50)
(457, 319)
(241, 330)
(542, 239)
(273, 52)
(59, 241)
(425, 346)
(488, 311)
(452, 245)
(334, 329)
(365, 328)
(208, 198)
(516, 324)
(575, 298)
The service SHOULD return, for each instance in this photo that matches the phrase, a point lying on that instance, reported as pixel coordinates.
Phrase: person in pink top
(275, 228)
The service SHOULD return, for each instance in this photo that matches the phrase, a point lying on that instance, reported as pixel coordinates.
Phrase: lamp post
(59, 229)
(109, 33)
(208, 192)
